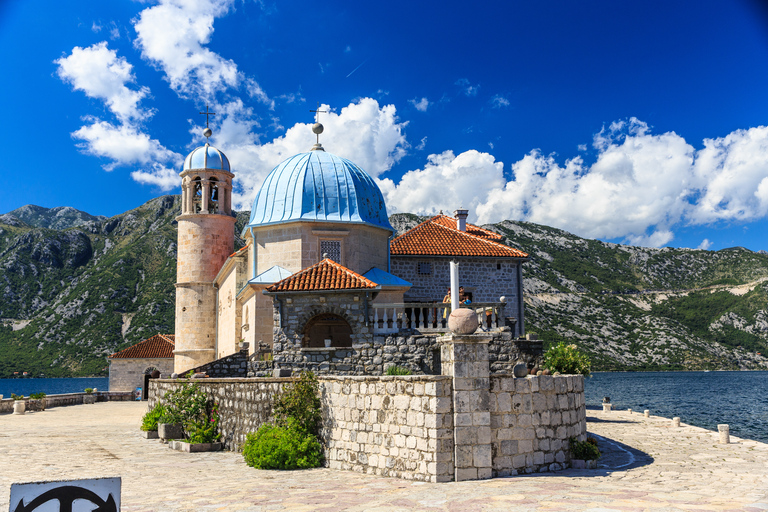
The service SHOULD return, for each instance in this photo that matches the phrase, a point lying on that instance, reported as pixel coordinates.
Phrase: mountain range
(78, 287)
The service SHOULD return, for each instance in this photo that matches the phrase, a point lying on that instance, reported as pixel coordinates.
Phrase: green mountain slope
(72, 296)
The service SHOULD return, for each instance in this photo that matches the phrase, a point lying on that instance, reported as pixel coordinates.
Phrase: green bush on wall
(150, 420)
(566, 359)
(584, 450)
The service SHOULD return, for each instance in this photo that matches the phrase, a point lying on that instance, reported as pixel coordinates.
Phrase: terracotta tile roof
(158, 346)
(433, 238)
(450, 222)
(326, 275)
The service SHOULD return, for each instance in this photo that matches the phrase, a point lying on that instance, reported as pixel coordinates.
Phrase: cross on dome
(207, 132)
(317, 128)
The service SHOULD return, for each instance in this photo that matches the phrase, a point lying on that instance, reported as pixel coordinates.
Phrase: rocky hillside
(77, 290)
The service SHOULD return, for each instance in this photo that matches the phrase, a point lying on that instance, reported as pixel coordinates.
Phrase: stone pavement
(647, 466)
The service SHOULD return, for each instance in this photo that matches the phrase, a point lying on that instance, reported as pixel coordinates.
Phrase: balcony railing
(431, 316)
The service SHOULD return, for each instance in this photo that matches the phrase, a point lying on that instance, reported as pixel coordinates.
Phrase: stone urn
(520, 370)
(19, 407)
(463, 321)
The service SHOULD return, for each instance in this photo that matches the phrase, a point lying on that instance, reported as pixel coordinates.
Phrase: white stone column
(465, 358)
(206, 195)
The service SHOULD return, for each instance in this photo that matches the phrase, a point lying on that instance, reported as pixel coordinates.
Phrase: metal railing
(430, 316)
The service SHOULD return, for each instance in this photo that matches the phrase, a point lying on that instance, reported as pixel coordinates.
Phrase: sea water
(704, 399)
(51, 386)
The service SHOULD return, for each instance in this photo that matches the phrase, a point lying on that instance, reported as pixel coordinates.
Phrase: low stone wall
(64, 399)
(244, 404)
(391, 426)
(532, 420)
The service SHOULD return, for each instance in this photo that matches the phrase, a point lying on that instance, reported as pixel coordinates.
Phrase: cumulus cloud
(122, 144)
(101, 74)
(420, 105)
(158, 175)
(365, 132)
(172, 35)
(705, 245)
(640, 187)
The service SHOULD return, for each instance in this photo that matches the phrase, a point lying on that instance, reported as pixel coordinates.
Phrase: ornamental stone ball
(463, 321)
(520, 370)
(317, 128)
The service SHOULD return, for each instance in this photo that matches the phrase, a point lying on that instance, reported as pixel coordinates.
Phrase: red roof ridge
(470, 227)
(295, 282)
(158, 346)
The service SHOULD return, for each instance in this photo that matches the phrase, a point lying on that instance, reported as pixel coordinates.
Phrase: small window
(425, 268)
(332, 248)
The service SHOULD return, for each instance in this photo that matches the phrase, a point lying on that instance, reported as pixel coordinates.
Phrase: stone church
(322, 282)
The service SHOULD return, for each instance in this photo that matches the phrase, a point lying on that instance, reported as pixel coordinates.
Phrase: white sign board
(94, 495)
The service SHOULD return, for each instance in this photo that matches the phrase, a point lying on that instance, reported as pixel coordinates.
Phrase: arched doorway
(327, 326)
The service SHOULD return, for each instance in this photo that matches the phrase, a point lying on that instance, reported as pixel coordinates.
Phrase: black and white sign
(94, 495)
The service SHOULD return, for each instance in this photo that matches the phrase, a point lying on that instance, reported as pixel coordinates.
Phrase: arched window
(197, 194)
(327, 327)
(213, 205)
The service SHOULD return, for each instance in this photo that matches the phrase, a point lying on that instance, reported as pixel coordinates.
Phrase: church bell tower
(206, 238)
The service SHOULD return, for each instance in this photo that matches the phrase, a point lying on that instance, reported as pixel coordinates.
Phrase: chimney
(461, 219)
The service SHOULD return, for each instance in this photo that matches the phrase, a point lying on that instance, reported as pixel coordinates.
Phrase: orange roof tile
(433, 238)
(450, 222)
(158, 346)
(326, 275)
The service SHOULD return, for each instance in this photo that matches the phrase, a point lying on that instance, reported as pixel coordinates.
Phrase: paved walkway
(647, 466)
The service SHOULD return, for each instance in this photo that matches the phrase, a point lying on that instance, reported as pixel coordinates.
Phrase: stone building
(320, 281)
(129, 368)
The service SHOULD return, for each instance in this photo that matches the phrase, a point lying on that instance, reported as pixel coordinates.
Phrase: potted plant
(39, 400)
(89, 397)
(584, 454)
(191, 420)
(150, 421)
(19, 405)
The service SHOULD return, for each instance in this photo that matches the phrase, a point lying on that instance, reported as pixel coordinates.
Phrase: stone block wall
(128, 374)
(532, 420)
(244, 404)
(390, 426)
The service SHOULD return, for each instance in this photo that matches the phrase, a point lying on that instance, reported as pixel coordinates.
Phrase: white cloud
(420, 105)
(158, 175)
(499, 101)
(466, 87)
(422, 144)
(95, 27)
(123, 145)
(445, 183)
(101, 74)
(172, 35)
(365, 132)
(705, 244)
(639, 189)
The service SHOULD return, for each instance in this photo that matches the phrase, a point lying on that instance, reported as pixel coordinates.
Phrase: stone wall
(235, 365)
(487, 279)
(65, 399)
(244, 404)
(128, 374)
(390, 426)
(532, 420)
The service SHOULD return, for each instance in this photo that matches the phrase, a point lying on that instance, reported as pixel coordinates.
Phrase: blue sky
(640, 123)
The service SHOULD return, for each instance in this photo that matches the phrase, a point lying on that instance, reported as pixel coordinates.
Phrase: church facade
(322, 277)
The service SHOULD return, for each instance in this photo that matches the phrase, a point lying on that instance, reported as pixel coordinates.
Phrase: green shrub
(17, 397)
(585, 450)
(150, 420)
(37, 396)
(298, 405)
(566, 359)
(88, 391)
(275, 447)
(198, 415)
(398, 370)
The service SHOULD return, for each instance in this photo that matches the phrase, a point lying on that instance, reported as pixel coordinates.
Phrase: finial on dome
(207, 132)
(317, 128)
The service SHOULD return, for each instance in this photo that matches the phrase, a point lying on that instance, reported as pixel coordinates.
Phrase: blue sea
(51, 386)
(704, 399)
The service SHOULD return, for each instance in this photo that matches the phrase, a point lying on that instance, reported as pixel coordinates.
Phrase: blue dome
(206, 157)
(319, 186)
